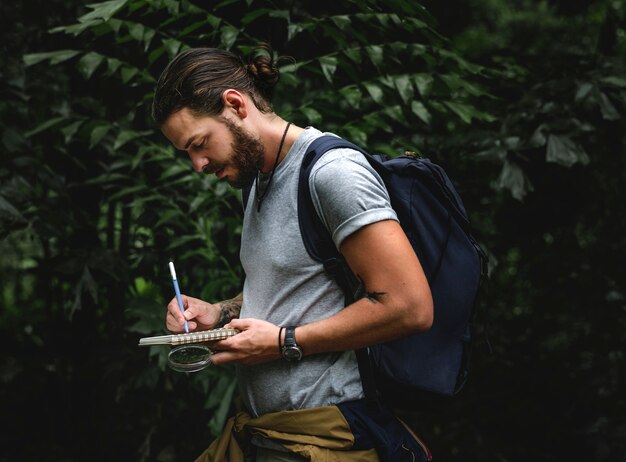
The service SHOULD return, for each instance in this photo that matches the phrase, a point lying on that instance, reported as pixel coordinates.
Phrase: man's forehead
(182, 126)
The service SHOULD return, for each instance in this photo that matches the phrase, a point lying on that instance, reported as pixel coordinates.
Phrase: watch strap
(280, 340)
(291, 351)
(290, 336)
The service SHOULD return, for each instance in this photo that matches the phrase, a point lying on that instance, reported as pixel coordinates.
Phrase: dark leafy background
(523, 102)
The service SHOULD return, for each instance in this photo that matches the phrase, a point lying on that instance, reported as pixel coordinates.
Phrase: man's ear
(235, 103)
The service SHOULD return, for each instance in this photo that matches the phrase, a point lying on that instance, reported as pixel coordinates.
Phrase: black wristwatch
(291, 350)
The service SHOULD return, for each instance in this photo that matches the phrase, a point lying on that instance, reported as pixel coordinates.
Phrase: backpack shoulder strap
(320, 246)
(317, 239)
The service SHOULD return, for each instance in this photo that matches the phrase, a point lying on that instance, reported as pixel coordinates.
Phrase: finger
(175, 310)
(174, 322)
(224, 357)
(219, 345)
(190, 312)
(170, 319)
(174, 327)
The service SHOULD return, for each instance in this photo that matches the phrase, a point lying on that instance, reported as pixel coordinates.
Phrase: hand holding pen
(179, 298)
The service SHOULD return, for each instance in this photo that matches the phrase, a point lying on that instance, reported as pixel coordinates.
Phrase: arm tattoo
(374, 296)
(229, 309)
(362, 292)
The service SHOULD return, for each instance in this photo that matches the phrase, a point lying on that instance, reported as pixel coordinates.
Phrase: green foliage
(111, 203)
(556, 158)
(524, 105)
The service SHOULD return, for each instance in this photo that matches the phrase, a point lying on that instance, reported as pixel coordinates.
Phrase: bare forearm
(368, 321)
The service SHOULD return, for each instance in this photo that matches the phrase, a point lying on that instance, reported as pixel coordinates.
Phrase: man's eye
(197, 146)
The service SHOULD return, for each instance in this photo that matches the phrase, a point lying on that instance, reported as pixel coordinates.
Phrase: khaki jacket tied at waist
(319, 434)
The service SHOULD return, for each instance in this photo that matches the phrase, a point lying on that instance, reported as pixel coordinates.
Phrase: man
(295, 349)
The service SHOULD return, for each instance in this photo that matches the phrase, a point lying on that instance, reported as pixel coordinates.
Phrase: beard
(247, 155)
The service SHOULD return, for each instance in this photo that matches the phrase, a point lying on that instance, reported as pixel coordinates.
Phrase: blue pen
(179, 299)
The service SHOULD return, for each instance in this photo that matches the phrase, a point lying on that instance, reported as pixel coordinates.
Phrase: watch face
(292, 353)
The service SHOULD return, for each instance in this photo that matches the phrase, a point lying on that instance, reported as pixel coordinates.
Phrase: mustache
(211, 169)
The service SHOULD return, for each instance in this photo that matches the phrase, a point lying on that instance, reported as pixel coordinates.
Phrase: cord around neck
(259, 197)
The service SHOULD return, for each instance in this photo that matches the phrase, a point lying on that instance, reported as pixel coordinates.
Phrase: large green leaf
(374, 91)
(53, 122)
(329, 66)
(98, 132)
(70, 130)
(7, 210)
(615, 80)
(513, 178)
(103, 10)
(468, 112)
(418, 108)
(563, 150)
(89, 63)
(424, 83)
(376, 55)
(405, 87)
(228, 36)
(55, 57)
(172, 46)
(352, 95)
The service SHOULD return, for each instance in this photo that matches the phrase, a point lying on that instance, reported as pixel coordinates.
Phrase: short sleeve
(348, 194)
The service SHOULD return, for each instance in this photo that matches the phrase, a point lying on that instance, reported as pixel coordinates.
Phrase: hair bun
(264, 70)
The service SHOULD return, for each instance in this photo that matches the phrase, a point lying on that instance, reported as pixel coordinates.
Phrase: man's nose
(199, 163)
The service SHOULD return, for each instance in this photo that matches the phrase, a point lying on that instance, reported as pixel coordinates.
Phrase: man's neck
(274, 136)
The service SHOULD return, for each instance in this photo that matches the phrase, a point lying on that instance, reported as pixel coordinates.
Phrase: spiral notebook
(191, 337)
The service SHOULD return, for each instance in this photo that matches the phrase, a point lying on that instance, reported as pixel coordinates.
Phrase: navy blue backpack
(412, 371)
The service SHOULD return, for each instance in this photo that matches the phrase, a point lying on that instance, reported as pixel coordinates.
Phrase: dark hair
(197, 78)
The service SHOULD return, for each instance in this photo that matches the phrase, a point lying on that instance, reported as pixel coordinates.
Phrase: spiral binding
(191, 337)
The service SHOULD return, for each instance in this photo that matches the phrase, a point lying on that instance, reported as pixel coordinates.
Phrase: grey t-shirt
(285, 286)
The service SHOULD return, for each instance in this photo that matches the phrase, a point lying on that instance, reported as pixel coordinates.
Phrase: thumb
(238, 323)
